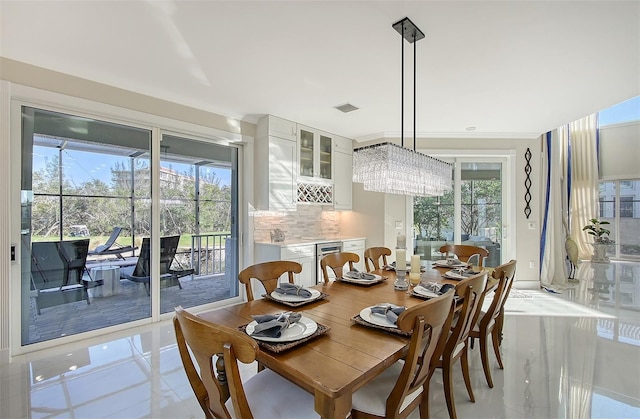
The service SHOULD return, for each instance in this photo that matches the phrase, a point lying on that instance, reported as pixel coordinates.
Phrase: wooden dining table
(336, 364)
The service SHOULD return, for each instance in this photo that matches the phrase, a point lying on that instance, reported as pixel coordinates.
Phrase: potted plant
(601, 239)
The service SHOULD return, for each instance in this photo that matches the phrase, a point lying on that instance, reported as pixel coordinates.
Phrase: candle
(402, 241)
(415, 263)
(401, 259)
(414, 278)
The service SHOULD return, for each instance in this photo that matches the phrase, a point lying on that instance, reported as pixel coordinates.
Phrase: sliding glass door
(472, 213)
(89, 256)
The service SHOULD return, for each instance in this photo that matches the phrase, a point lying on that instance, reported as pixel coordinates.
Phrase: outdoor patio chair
(110, 247)
(57, 268)
(141, 272)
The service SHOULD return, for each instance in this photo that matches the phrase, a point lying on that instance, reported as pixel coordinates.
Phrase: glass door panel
(198, 207)
(481, 208)
(78, 177)
(325, 157)
(306, 147)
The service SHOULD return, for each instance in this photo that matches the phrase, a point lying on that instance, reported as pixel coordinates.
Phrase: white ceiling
(512, 69)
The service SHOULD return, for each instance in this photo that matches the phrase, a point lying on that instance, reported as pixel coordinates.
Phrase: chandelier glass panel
(391, 168)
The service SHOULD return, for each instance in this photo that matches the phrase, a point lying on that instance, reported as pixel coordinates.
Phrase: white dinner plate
(377, 319)
(444, 264)
(298, 330)
(454, 275)
(295, 298)
(377, 278)
(420, 290)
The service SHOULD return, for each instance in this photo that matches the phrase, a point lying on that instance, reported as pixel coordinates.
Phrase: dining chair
(268, 273)
(464, 251)
(407, 382)
(372, 256)
(490, 322)
(336, 262)
(217, 383)
(456, 345)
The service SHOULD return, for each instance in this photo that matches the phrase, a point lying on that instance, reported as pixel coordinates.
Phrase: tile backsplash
(307, 221)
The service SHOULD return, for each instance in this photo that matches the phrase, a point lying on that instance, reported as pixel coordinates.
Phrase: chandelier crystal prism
(392, 168)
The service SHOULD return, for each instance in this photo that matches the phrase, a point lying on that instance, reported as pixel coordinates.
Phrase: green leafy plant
(600, 233)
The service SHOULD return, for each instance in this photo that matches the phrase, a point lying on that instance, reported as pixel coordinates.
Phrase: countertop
(304, 241)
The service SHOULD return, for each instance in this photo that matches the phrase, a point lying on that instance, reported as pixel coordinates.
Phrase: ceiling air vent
(347, 107)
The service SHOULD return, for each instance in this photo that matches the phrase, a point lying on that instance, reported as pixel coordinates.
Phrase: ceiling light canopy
(391, 168)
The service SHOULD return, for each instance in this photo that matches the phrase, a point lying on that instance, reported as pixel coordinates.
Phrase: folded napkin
(272, 325)
(359, 275)
(292, 289)
(392, 312)
(437, 288)
(420, 290)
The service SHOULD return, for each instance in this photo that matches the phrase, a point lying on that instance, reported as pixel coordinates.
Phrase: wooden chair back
(463, 252)
(336, 262)
(505, 273)
(471, 290)
(430, 322)
(268, 273)
(206, 339)
(372, 257)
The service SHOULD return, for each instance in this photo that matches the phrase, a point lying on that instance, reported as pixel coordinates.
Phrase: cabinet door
(282, 187)
(307, 150)
(282, 128)
(357, 247)
(342, 181)
(324, 156)
(307, 277)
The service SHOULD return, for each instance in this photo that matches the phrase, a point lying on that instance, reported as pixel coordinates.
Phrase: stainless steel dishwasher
(322, 250)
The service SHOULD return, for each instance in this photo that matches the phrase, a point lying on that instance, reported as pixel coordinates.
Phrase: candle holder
(401, 283)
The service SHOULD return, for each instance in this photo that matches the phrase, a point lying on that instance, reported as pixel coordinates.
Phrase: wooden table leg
(328, 407)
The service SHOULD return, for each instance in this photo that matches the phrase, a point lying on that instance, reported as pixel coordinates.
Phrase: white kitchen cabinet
(355, 246)
(275, 182)
(304, 254)
(315, 154)
(342, 174)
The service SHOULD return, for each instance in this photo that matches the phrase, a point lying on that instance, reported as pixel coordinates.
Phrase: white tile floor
(569, 355)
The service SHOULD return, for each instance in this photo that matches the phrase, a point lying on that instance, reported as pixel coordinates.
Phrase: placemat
(283, 346)
(296, 303)
(394, 330)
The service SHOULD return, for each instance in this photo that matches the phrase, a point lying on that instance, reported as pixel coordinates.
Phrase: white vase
(600, 253)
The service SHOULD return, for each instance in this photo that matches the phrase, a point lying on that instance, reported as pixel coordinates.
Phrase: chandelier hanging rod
(411, 33)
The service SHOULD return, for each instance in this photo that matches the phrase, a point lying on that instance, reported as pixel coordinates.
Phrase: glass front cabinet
(314, 154)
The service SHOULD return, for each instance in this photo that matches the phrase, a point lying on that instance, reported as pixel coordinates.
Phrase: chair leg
(464, 362)
(484, 354)
(447, 380)
(472, 340)
(495, 337)
(424, 404)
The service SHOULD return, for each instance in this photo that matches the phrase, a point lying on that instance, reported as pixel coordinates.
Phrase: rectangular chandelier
(390, 168)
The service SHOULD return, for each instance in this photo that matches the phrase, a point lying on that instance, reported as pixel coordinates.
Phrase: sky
(623, 112)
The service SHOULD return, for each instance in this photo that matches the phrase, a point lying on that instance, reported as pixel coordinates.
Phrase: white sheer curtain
(553, 268)
(584, 180)
(570, 188)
